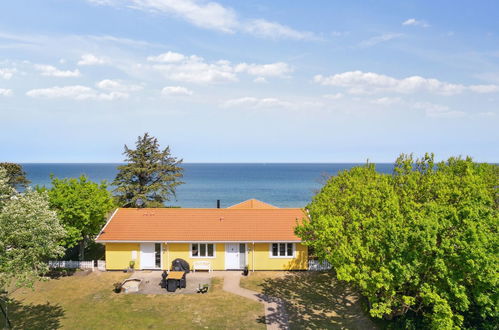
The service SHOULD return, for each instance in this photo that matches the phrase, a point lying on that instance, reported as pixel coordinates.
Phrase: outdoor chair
(203, 288)
(164, 275)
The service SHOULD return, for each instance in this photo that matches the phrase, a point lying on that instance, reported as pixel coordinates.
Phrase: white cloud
(254, 102)
(168, 57)
(269, 70)
(107, 39)
(52, 71)
(273, 30)
(212, 15)
(75, 92)
(7, 73)
(487, 114)
(379, 39)
(415, 22)
(336, 96)
(260, 80)
(175, 90)
(6, 92)
(386, 100)
(484, 88)
(102, 2)
(117, 86)
(91, 59)
(308, 104)
(339, 33)
(438, 111)
(358, 82)
(195, 69)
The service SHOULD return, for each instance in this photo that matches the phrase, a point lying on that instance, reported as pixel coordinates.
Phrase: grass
(87, 302)
(314, 300)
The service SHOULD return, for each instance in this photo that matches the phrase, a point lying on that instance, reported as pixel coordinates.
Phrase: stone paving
(151, 282)
(275, 312)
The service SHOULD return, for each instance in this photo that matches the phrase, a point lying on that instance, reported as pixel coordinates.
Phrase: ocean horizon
(280, 184)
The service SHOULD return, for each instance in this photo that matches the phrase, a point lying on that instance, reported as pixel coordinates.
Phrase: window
(282, 250)
(202, 250)
(157, 255)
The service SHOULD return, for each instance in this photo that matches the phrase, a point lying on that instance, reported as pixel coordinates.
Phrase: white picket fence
(317, 265)
(101, 264)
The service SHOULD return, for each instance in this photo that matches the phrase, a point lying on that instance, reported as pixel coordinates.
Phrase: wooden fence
(317, 265)
(101, 264)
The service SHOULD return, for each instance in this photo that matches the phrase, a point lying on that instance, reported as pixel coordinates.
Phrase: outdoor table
(174, 281)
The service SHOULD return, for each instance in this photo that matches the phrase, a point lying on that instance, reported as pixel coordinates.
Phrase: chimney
(218, 203)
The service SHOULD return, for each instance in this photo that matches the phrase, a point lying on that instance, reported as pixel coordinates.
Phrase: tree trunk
(81, 249)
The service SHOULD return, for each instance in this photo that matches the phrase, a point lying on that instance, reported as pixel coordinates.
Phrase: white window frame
(286, 256)
(160, 255)
(199, 250)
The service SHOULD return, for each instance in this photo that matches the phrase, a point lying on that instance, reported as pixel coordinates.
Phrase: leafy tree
(29, 236)
(16, 175)
(6, 191)
(82, 206)
(150, 175)
(420, 242)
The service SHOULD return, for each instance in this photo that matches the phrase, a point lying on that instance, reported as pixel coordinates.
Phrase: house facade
(253, 234)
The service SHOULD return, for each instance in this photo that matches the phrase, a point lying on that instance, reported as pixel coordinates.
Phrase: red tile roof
(217, 225)
(252, 204)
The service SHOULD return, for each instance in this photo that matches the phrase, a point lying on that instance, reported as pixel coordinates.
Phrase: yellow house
(253, 234)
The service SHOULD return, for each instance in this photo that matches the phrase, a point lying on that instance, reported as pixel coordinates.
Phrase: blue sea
(283, 185)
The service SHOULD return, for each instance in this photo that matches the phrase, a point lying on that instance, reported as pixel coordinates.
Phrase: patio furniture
(175, 279)
(201, 265)
(203, 288)
(128, 285)
(164, 275)
(180, 265)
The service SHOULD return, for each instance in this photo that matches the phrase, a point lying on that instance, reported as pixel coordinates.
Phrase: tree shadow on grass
(317, 300)
(30, 316)
(57, 273)
(277, 316)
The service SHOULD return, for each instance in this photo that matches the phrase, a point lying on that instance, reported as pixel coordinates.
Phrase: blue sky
(249, 81)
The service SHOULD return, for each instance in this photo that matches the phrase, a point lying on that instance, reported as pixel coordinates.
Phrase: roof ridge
(253, 203)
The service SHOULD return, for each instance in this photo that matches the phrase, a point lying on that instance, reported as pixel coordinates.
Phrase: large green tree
(420, 244)
(82, 206)
(15, 175)
(30, 234)
(149, 177)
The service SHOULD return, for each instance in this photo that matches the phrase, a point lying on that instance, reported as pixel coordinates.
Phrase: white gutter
(194, 241)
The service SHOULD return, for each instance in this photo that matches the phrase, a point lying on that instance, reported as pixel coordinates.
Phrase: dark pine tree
(150, 177)
(15, 175)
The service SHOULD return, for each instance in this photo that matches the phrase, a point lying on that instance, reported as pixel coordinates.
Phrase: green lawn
(88, 302)
(315, 300)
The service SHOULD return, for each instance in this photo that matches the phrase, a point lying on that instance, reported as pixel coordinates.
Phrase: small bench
(201, 265)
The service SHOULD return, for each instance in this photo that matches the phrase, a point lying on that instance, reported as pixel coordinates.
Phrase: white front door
(232, 256)
(147, 256)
